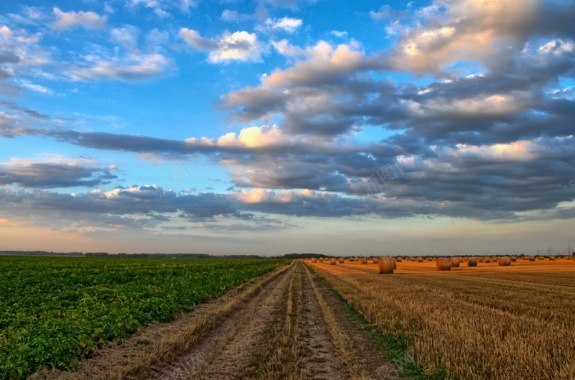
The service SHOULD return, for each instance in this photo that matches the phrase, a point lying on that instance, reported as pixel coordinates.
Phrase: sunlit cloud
(66, 20)
(237, 46)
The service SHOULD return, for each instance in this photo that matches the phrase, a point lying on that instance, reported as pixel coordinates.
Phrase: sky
(274, 126)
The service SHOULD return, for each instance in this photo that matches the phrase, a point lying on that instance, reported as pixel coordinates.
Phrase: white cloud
(235, 16)
(250, 137)
(260, 195)
(338, 33)
(383, 13)
(91, 20)
(286, 24)
(515, 151)
(5, 31)
(237, 46)
(36, 87)
(159, 7)
(285, 48)
(127, 37)
(133, 67)
(557, 47)
(324, 60)
(193, 38)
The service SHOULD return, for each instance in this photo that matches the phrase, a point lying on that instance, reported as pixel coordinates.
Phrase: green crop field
(54, 310)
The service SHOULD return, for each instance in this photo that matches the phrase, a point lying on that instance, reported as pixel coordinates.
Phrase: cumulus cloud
(449, 31)
(309, 94)
(66, 20)
(237, 46)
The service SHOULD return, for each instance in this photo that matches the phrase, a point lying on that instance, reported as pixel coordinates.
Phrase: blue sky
(275, 126)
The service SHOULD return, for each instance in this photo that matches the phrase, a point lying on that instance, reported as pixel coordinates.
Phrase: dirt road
(294, 328)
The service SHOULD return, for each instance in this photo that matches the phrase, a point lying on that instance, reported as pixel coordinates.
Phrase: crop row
(55, 310)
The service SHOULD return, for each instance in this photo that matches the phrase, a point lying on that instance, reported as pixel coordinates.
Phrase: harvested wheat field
(483, 322)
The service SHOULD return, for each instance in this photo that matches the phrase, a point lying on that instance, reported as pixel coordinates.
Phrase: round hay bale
(551, 258)
(455, 262)
(364, 261)
(313, 261)
(399, 259)
(332, 262)
(504, 261)
(341, 261)
(513, 258)
(420, 259)
(443, 263)
(385, 265)
(531, 258)
(472, 262)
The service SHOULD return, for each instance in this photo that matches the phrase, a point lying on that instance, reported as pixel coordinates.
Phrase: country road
(293, 328)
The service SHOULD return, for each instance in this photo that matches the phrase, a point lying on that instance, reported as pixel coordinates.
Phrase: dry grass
(515, 322)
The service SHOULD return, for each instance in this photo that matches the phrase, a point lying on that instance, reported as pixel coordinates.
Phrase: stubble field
(513, 322)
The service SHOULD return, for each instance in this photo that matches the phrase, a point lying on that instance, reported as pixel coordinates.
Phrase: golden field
(489, 321)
